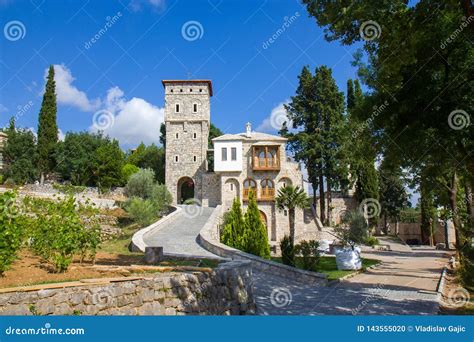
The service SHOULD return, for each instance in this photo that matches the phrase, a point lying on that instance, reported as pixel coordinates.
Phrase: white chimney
(248, 130)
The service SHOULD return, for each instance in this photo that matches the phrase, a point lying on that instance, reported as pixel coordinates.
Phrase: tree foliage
(47, 126)
(11, 230)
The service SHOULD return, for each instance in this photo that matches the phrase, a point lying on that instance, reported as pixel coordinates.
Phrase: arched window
(268, 189)
(249, 185)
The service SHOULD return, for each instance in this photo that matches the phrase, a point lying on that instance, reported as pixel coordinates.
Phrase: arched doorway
(185, 189)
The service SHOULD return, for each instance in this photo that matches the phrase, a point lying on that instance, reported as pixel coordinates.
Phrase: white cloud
(3, 108)
(133, 121)
(275, 120)
(69, 94)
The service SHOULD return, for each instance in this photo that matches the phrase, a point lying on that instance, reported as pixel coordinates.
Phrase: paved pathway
(179, 236)
(405, 283)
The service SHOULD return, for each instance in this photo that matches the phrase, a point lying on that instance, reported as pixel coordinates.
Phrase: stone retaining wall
(226, 290)
(209, 239)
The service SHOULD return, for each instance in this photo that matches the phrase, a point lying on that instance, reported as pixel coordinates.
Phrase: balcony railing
(266, 158)
(267, 194)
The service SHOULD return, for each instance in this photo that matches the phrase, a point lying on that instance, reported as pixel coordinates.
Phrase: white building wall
(228, 165)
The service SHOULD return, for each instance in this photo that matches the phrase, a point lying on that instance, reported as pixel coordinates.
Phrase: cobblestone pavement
(404, 284)
(179, 236)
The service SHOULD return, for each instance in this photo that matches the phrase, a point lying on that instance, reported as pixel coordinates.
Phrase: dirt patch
(456, 299)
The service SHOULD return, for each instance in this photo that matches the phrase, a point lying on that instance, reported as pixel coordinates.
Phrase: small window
(200, 90)
(171, 90)
(177, 108)
(285, 212)
(233, 153)
(195, 158)
(181, 90)
(224, 154)
(177, 135)
(190, 90)
(194, 135)
(195, 108)
(231, 187)
(176, 159)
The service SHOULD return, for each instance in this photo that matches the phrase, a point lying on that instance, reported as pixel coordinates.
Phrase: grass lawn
(327, 265)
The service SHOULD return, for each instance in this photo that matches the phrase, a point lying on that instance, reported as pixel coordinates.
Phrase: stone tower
(187, 120)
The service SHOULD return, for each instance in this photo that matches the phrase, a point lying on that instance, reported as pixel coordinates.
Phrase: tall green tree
(47, 127)
(255, 234)
(20, 155)
(107, 166)
(149, 157)
(316, 112)
(233, 231)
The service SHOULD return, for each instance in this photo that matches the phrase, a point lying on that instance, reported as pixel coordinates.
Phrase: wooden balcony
(264, 195)
(266, 158)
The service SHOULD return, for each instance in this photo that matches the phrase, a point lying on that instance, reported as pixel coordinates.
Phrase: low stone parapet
(226, 290)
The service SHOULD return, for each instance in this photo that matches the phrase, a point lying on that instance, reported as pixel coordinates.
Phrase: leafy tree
(128, 170)
(142, 211)
(47, 127)
(107, 167)
(316, 113)
(353, 230)
(149, 157)
(392, 193)
(291, 198)
(435, 86)
(20, 155)
(161, 198)
(163, 134)
(255, 234)
(11, 231)
(233, 231)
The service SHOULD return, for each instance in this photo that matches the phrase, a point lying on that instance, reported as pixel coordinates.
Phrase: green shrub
(62, 229)
(141, 184)
(255, 233)
(1, 179)
(353, 229)
(69, 189)
(372, 241)
(287, 251)
(308, 250)
(161, 198)
(11, 230)
(232, 231)
(142, 211)
(128, 170)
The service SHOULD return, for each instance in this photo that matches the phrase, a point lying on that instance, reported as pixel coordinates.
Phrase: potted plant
(353, 230)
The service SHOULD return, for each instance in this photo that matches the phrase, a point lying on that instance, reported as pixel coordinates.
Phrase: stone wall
(412, 231)
(226, 290)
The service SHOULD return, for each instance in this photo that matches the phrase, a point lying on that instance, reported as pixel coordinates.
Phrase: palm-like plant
(290, 198)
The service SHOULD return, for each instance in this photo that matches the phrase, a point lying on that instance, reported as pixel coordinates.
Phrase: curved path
(405, 282)
(179, 236)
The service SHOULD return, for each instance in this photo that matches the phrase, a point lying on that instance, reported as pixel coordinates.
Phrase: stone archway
(263, 217)
(185, 189)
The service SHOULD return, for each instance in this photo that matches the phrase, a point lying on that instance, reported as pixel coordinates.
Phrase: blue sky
(121, 71)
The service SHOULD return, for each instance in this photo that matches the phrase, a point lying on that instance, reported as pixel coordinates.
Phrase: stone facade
(3, 140)
(187, 120)
(227, 290)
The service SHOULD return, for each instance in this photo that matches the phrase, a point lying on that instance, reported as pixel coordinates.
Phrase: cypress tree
(47, 127)
(233, 231)
(255, 234)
